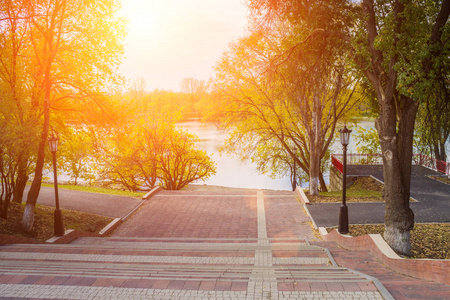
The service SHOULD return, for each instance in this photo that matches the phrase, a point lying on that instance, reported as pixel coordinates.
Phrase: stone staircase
(156, 268)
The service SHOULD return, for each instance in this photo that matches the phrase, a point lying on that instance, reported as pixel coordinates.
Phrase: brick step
(170, 271)
(281, 249)
(137, 240)
(166, 258)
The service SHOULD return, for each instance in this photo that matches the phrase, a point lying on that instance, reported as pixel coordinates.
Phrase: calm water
(230, 171)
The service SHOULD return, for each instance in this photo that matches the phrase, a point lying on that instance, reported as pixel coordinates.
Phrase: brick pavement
(195, 245)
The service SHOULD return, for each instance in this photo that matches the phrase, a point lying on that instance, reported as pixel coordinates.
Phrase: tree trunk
(21, 181)
(33, 193)
(314, 173)
(397, 156)
(323, 186)
(314, 149)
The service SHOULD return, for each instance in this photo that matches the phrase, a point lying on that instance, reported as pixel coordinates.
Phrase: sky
(169, 40)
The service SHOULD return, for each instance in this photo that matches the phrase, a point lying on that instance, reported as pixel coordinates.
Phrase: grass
(427, 240)
(443, 179)
(363, 189)
(44, 218)
(99, 190)
(353, 193)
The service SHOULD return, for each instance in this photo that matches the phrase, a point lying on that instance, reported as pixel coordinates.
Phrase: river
(230, 171)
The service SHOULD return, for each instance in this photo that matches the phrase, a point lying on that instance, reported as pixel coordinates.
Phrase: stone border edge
(299, 191)
(435, 270)
(151, 193)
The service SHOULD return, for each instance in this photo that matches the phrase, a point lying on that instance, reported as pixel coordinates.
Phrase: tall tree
(393, 33)
(17, 114)
(288, 89)
(77, 49)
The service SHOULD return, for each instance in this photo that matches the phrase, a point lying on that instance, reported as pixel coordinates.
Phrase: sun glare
(142, 23)
(169, 40)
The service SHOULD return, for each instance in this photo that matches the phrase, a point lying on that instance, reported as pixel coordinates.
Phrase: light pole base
(343, 220)
(59, 226)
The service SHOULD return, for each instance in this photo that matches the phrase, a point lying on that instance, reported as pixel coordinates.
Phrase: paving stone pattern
(190, 245)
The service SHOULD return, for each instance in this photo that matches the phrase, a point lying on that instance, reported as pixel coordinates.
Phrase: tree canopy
(285, 86)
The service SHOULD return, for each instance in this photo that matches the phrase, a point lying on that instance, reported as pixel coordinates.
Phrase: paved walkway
(95, 203)
(433, 200)
(205, 245)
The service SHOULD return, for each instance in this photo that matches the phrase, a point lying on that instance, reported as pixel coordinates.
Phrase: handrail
(377, 159)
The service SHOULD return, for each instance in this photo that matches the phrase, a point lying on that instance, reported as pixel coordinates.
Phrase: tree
(75, 154)
(142, 155)
(194, 93)
(76, 50)
(286, 93)
(433, 125)
(179, 162)
(118, 152)
(395, 44)
(367, 141)
(18, 118)
(393, 34)
(276, 161)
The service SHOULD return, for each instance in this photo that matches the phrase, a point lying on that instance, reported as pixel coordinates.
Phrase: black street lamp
(59, 226)
(343, 214)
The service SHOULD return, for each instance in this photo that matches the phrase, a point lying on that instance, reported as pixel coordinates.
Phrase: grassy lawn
(43, 225)
(364, 189)
(95, 189)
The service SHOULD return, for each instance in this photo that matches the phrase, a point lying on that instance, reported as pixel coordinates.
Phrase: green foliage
(283, 89)
(367, 141)
(58, 59)
(142, 155)
(178, 161)
(75, 154)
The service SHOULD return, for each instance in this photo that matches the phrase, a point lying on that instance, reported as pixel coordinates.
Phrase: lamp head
(53, 143)
(345, 135)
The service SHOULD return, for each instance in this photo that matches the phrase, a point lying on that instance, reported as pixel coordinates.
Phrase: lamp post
(343, 213)
(59, 226)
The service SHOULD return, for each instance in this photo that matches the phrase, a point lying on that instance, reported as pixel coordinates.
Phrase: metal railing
(376, 159)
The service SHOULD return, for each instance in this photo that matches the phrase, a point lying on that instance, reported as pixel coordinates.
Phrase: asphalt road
(433, 200)
(100, 204)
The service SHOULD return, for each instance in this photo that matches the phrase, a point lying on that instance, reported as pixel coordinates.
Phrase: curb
(70, 235)
(302, 195)
(435, 270)
(111, 226)
(151, 193)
